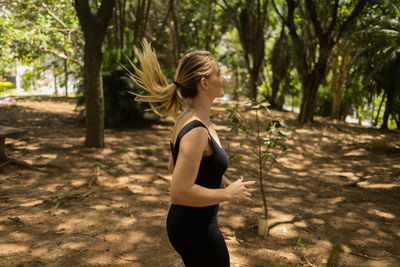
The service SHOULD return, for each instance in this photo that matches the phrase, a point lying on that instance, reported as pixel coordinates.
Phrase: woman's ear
(203, 84)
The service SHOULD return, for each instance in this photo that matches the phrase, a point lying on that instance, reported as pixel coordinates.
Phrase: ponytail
(152, 80)
(191, 69)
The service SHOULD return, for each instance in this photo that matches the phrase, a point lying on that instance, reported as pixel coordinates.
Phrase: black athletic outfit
(193, 231)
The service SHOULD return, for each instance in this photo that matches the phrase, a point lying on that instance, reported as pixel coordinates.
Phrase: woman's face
(215, 82)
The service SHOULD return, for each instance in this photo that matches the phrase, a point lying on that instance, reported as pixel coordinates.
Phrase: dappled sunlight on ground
(338, 185)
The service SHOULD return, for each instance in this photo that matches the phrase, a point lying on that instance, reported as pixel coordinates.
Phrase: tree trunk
(55, 82)
(336, 102)
(94, 99)
(335, 84)
(310, 84)
(253, 86)
(250, 23)
(281, 98)
(280, 59)
(308, 100)
(94, 30)
(174, 25)
(275, 89)
(388, 108)
(339, 73)
(305, 52)
(379, 109)
(66, 77)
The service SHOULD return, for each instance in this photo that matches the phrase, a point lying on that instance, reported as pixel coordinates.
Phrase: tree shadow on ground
(339, 184)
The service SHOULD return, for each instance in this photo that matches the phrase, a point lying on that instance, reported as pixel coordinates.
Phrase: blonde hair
(191, 69)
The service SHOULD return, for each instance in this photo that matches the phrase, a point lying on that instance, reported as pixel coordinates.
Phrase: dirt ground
(338, 185)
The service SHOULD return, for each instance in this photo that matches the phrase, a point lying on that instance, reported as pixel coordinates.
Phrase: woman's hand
(237, 191)
(225, 182)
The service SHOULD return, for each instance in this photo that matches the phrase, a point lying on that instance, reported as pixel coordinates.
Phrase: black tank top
(212, 167)
(210, 173)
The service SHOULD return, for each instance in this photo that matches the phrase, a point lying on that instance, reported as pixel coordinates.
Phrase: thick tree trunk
(94, 30)
(253, 85)
(310, 84)
(275, 89)
(93, 83)
(308, 100)
(339, 73)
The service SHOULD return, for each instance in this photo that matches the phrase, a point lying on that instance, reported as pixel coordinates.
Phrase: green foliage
(5, 85)
(33, 30)
(268, 134)
(27, 80)
(102, 165)
(332, 256)
(62, 195)
(378, 57)
(324, 101)
(29, 30)
(301, 244)
(203, 24)
(120, 107)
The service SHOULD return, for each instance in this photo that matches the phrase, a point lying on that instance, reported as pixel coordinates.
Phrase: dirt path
(339, 184)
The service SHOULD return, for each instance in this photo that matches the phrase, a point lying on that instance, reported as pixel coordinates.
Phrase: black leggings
(199, 245)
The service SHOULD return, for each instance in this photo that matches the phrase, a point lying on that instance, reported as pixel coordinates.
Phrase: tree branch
(356, 11)
(158, 34)
(279, 14)
(334, 18)
(298, 43)
(84, 13)
(104, 14)
(54, 16)
(290, 20)
(231, 9)
(63, 56)
(314, 19)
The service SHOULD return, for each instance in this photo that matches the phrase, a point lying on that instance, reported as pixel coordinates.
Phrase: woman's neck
(202, 109)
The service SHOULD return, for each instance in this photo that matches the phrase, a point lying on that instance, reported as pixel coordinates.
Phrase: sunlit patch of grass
(62, 195)
(343, 140)
(102, 165)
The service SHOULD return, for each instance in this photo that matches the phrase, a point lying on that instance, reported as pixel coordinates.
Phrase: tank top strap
(185, 129)
(188, 127)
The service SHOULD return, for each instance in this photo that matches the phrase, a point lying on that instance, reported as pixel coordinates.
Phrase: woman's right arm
(183, 189)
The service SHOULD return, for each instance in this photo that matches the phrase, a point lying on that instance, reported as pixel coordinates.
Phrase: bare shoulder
(181, 122)
(196, 140)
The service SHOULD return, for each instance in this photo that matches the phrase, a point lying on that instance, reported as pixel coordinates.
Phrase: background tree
(379, 58)
(315, 29)
(33, 29)
(339, 64)
(250, 18)
(280, 66)
(94, 28)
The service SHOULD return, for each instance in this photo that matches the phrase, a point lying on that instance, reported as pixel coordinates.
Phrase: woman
(197, 160)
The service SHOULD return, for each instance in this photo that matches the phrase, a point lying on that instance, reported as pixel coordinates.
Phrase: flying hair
(172, 96)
